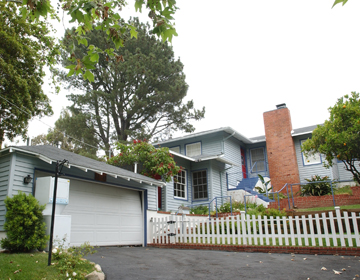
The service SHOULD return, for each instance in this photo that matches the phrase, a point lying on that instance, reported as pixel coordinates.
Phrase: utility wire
(36, 118)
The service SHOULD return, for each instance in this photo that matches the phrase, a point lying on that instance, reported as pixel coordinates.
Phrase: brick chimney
(280, 147)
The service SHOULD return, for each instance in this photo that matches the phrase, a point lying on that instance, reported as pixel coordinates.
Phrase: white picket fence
(338, 230)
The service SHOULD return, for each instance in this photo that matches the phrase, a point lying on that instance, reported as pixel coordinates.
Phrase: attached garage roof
(52, 154)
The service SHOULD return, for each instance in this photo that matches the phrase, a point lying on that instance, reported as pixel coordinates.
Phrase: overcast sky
(241, 58)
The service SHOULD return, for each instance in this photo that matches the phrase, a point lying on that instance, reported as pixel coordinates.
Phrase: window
(200, 184)
(257, 157)
(193, 149)
(180, 185)
(175, 149)
(314, 158)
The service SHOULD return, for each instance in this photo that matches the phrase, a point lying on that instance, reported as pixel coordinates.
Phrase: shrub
(24, 224)
(318, 186)
(200, 210)
(70, 261)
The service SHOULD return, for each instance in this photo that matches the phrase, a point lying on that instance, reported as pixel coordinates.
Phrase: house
(107, 205)
(220, 161)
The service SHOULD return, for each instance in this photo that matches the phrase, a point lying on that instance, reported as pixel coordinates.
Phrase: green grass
(355, 206)
(32, 266)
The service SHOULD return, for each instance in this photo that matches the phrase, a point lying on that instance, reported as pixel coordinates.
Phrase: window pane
(257, 157)
(180, 185)
(200, 185)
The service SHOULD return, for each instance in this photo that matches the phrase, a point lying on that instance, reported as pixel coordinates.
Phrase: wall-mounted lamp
(27, 179)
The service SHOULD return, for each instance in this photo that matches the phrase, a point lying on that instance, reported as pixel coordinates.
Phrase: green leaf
(83, 41)
(138, 5)
(72, 66)
(339, 1)
(94, 57)
(133, 31)
(71, 72)
(89, 76)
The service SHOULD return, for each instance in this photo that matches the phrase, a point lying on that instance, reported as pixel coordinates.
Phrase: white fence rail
(317, 230)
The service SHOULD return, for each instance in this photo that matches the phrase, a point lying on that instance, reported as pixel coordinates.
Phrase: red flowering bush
(156, 162)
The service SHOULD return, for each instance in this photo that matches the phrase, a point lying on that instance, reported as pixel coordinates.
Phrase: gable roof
(52, 154)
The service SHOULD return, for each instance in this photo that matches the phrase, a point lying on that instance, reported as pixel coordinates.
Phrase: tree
(339, 137)
(137, 98)
(154, 162)
(82, 141)
(25, 49)
(106, 16)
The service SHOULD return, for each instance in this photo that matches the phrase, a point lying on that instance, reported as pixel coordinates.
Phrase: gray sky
(242, 58)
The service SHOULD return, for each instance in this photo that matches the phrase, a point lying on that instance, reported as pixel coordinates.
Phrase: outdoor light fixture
(27, 179)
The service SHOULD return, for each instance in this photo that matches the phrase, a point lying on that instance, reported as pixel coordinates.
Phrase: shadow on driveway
(153, 263)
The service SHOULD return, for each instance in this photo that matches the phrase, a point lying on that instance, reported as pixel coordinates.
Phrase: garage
(104, 215)
(104, 205)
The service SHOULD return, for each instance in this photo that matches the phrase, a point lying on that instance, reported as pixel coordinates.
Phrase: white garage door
(104, 215)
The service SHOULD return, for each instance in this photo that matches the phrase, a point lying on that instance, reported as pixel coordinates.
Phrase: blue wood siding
(233, 154)
(4, 183)
(343, 173)
(169, 203)
(307, 171)
(218, 179)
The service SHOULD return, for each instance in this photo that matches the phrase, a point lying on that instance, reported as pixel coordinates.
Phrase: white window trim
(316, 157)
(187, 146)
(175, 149)
(185, 188)
(251, 159)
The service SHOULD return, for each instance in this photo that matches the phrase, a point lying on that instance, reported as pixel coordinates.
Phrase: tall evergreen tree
(25, 48)
(138, 94)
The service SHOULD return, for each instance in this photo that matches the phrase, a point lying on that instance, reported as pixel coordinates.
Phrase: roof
(229, 130)
(304, 130)
(219, 157)
(52, 154)
(237, 135)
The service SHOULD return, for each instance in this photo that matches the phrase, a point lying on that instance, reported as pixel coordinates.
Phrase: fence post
(172, 229)
(243, 227)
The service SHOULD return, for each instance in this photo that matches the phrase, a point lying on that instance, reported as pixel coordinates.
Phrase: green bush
(317, 187)
(70, 261)
(24, 224)
(237, 206)
(200, 210)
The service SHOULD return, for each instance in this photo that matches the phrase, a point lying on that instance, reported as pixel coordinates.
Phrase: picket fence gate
(338, 230)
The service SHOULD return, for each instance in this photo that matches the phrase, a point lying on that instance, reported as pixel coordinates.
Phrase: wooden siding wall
(233, 154)
(168, 201)
(343, 173)
(307, 171)
(5, 162)
(218, 180)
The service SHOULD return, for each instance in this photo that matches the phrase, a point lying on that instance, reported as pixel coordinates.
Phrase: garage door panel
(81, 219)
(108, 220)
(78, 237)
(104, 215)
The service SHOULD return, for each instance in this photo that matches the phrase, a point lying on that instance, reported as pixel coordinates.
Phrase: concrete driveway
(153, 263)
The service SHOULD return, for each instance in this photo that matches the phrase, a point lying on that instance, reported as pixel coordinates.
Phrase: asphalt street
(153, 263)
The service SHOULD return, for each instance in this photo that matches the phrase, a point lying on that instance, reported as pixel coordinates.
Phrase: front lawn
(33, 266)
(355, 206)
